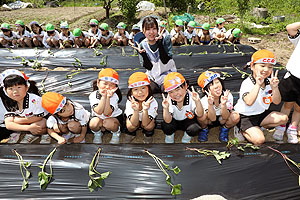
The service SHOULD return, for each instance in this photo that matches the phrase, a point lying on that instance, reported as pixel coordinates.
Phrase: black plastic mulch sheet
(260, 174)
(125, 57)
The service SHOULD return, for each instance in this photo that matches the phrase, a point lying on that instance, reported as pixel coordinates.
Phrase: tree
(243, 6)
(107, 7)
(128, 8)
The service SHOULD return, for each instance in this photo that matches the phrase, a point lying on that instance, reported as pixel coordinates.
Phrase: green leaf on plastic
(28, 174)
(240, 148)
(168, 179)
(105, 175)
(25, 185)
(176, 189)
(176, 170)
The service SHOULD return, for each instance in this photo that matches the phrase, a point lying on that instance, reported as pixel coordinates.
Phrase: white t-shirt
(80, 115)
(201, 33)
(85, 34)
(109, 35)
(39, 36)
(217, 30)
(293, 65)
(94, 101)
(189, 35)
(173, 32)
(117, 35)
(2, 113)
(228, 33)
(131, 36)
(262, 102)
(32, 106)
(69, 37)
(166, 33)
(187, 111)
(9, 38)
(152, 111)
(229, 104)
(26, 34)
(46, 36)
(97, 35)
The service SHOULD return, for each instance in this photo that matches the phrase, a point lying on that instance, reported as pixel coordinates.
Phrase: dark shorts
(215, 123)
(205, 42)
(253, 120)
(147, 133)
(4, 133)
(289, 89)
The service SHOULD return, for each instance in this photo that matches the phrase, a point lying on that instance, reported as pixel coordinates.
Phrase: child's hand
(146, 104)
(165, 102)
(160, 34)
(61, 140)
(274, 80)
(103, 93)
(35, 129)
(210, 98)
(224, 98)
(111, 92)
(134, 104)
(195, 95)
(78, 139)
(259, 78)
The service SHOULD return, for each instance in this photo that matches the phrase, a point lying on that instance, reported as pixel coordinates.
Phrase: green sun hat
(49, 27)
(179, 22)
(237, 33)
(19, 22)
(163, 24)
(64, 24)
(121, 25)
(206, 26)
(192, 24)
(94, 22)
(104, 26)
(220, 20)
(5, 26)
(77, 32)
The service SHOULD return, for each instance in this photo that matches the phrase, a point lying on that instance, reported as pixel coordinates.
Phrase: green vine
(27, 174)
(44, 177)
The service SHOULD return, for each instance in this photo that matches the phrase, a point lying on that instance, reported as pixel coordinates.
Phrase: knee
(193, 129)
(258, 140)
(284, 119)
(235, 117)
(74, 126)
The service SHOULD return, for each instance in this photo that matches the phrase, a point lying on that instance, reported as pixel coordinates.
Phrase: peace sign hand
(134, 104)
(138, 48)
(224, 98)
(259, 78)
(210, 98)
(195, 95)
(111, 92)
(165, 102)
(146, 104)
(160, 35)
(274, 80)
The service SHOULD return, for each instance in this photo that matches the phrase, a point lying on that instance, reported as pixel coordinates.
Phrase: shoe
(203, 135)
(97, 137)
(237, 134)
(128, 138)
(14, 138)
(45, 139)
(169, 139)
(29, 138)
(223, 137)
(278, 134)
(186, 138)
(292, 135)
(115, 137)
(148, 140)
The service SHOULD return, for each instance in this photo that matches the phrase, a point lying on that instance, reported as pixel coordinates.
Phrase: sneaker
(148, 140)
(29, 138)
(97, 137)
(169, 138)
(45, 139)
(203, 136)
(237, 134)
(186, 138)
(14, 138)
(292, 136)
(223, 136)
(128, 138)
(278, 134)
(115, 138)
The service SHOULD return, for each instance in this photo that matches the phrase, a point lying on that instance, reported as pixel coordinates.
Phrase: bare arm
(27, 120)
(292, 29)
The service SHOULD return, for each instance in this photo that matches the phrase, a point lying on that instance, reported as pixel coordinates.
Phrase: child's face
(121, 30)
(215, 88)
(35, 28)
(67, 110)
(140, 93)
(105, 85)
(19, 28)
(6, 32)
(94, 27)
(205, 32)
(178, 93)
(51, 33)
(17, 92)
(190, 29)
(262, 69)
(104, 32)
(65, 31)
(151, 33)
(221, 25)
(178, 28)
